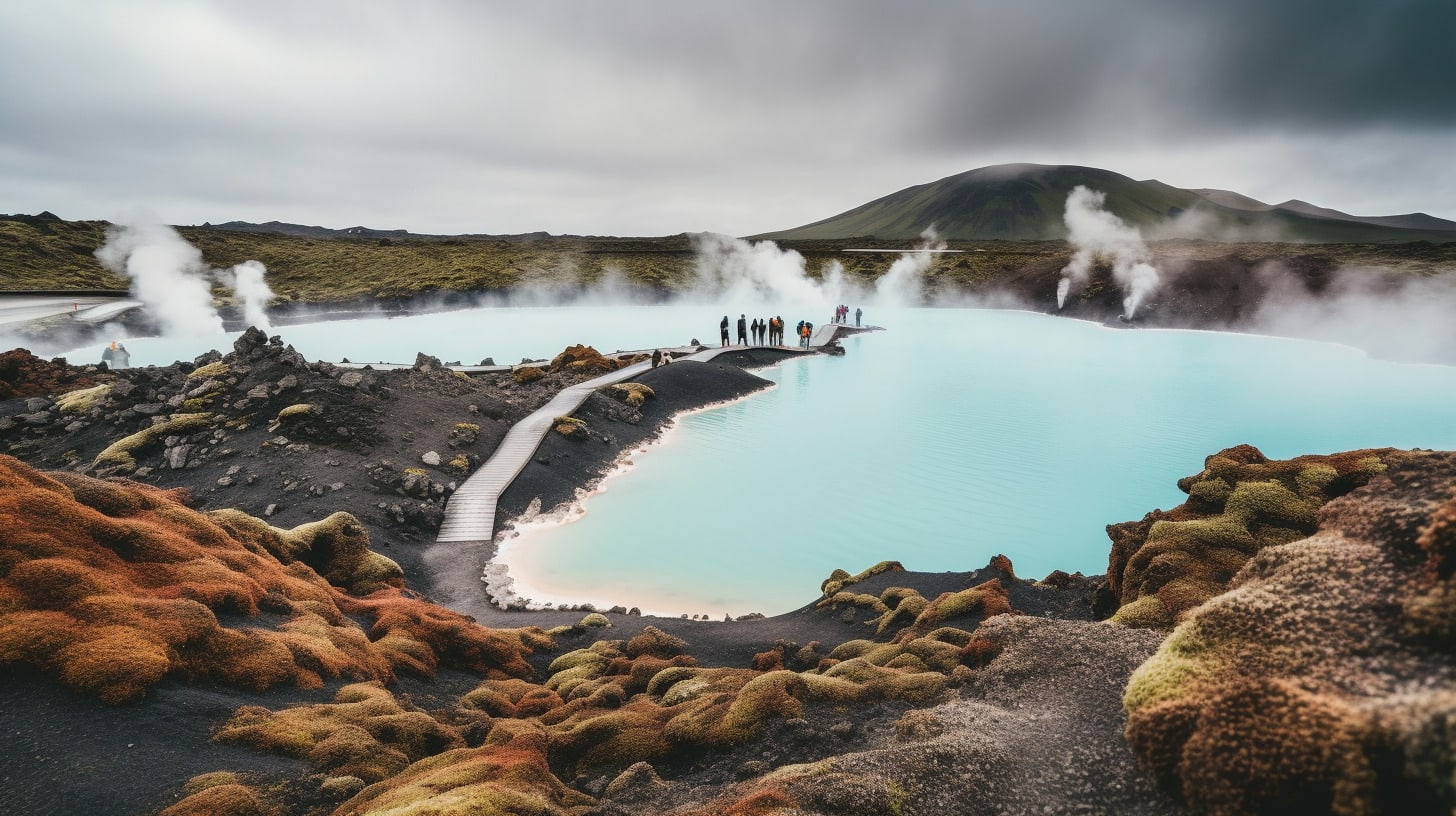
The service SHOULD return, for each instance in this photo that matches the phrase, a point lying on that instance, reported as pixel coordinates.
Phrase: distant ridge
(303, 231)
(1025, 202)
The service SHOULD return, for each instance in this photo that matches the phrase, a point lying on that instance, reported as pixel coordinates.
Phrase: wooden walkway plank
(460, 553)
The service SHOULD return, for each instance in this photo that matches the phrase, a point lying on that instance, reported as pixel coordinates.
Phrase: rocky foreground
(174, 642)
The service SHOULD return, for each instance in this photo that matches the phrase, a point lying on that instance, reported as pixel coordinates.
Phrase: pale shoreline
(507, 588)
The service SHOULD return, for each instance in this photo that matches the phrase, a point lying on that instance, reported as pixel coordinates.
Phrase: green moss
(662, 682)
(1166, 675)
(839, 579)
(202, 782)
(1313, 480)
(594, 620)
(573, 667)
(1270, 503)
(211, 371)
(298, 410)
(79, 402)
(899, 797)
(1211, 491)
(1144, 613)
(123, 451)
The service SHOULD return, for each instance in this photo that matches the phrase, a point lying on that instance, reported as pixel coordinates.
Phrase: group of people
(841, 315)
(762, 331)
(116, 356)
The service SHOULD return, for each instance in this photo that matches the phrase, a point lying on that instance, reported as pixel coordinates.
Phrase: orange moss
(115, 596)
(655, 642)
(221, 800)
(771, 660)
(116, 663)
(36, 637)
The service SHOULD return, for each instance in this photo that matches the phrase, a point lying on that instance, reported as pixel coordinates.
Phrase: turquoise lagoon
(951, 437)
(954, 435)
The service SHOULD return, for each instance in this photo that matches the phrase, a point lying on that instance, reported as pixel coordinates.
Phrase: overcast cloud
(639, 117)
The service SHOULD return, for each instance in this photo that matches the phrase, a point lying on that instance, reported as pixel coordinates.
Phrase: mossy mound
(839, 579)
(633, 393)
(365, 732)
(336, 547)
(113, 586)
(527, 374)
(121, 454)
(1170, 562)
(82, 400)
(1317, 683)
(570, 427)
(583, 360)
(210, 371)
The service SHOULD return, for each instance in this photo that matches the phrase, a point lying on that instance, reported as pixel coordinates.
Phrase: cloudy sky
(651, 117)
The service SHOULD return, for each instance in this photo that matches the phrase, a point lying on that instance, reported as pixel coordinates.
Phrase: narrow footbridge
(462, 547)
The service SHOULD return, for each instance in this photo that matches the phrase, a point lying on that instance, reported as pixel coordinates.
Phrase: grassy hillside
(54, 254)
(1026, 202)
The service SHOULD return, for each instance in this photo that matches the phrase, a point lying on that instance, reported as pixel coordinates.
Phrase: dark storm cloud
(657, 116)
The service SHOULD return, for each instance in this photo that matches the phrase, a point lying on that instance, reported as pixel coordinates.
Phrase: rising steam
(246, 281)
(904, 283)
(168, 275)
(1098, 234)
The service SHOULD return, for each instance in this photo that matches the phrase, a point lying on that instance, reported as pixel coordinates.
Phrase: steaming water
(951, 437)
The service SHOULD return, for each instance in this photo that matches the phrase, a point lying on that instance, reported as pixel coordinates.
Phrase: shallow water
(952, 437)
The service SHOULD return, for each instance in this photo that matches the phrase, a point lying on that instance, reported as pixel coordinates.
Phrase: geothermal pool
(954, 435)
(951, 437)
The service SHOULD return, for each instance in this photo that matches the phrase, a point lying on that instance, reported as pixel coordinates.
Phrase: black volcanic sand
(65, 753)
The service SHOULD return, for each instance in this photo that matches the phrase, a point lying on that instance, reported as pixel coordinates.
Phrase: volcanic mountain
(1025, 202)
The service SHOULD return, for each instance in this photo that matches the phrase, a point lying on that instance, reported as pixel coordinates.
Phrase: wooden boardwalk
(462, 548)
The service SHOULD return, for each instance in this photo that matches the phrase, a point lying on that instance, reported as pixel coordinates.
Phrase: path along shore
(464, 547)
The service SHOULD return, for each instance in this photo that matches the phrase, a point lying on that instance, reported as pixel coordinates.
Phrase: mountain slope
(1025, 202)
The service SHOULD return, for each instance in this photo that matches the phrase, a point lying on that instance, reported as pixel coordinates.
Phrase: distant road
(89, 307)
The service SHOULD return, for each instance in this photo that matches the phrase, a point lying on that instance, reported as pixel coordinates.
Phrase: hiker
(743, 329)
(656, 357)
(723, 331)
(857, 313)
(753, 330)
(123, 357)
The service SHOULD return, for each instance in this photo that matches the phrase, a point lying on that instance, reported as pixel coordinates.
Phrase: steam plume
(246, 281)
(904, 283)
(167, 274)
(1097, 233)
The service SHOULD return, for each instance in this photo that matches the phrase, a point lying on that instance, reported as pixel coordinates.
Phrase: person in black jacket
(743, 330)
(723, 331)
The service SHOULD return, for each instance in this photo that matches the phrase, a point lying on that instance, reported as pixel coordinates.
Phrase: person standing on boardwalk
(723, 331)
(656, 357)
(857, 313)
(743, 330)
(753, 329)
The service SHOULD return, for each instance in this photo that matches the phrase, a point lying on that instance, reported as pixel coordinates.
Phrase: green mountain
(1025, 202)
